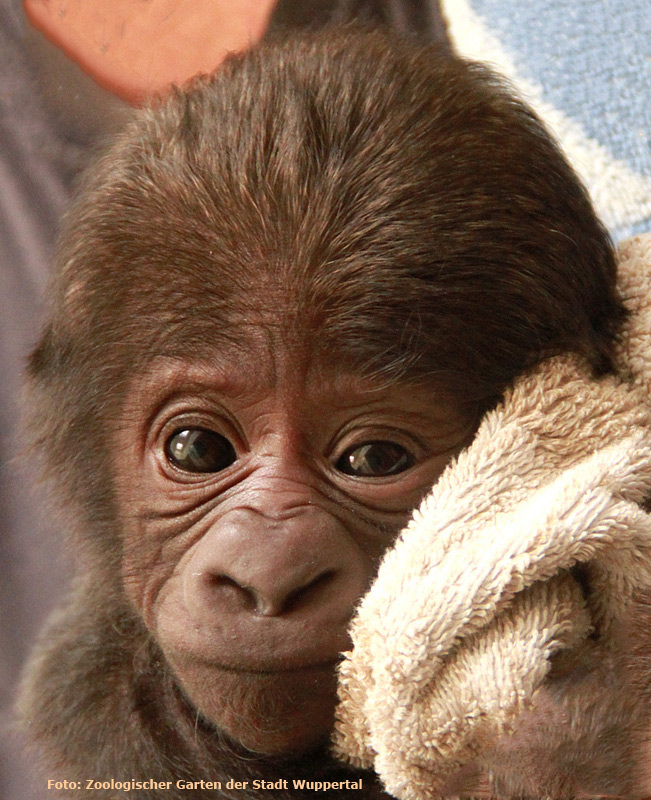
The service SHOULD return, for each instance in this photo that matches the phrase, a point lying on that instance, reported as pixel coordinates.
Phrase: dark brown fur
(406, 218)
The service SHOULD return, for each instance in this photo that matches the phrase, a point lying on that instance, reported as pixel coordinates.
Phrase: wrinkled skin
(247, 575)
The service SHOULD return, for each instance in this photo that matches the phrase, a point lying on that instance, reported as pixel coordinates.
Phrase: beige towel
(453, 641)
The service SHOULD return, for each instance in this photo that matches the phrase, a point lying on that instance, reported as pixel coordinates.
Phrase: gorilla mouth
(272, 709)
(327, 665)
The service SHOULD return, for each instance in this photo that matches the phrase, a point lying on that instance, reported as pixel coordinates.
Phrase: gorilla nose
(271, 595)
(250, 563)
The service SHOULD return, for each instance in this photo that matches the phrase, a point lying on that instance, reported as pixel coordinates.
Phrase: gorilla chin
(278, 714)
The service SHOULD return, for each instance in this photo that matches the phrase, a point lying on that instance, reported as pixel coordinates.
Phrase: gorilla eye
(375, 460)
(199, 450)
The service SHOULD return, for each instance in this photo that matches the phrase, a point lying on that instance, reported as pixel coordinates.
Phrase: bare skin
(248, 570)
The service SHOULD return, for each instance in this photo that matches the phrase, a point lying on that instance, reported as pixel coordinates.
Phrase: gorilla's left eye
(375, 460)
(199, 450)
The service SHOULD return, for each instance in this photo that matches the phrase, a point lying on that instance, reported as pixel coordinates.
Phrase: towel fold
(532, 545)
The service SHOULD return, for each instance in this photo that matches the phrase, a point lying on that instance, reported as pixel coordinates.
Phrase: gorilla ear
(43, 359)
(47, 362)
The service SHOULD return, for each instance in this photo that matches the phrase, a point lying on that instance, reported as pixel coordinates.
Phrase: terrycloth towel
(455, 636)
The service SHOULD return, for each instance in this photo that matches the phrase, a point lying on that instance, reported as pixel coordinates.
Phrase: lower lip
(322, 666)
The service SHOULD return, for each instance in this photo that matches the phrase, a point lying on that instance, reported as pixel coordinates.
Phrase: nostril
(306, 594)
(230, 590)
(269, 600)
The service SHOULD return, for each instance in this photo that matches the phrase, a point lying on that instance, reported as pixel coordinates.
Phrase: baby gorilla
(284, 298)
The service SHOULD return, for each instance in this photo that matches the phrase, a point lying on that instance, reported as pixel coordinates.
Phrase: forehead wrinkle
(232, 367)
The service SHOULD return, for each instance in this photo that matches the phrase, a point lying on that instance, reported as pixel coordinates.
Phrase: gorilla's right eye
(199, 450)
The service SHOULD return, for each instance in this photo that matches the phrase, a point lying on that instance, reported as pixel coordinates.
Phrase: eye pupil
(199, 450)
(375, 460)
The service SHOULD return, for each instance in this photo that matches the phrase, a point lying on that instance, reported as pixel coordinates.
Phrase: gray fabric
(419, 18)
(36, 165)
